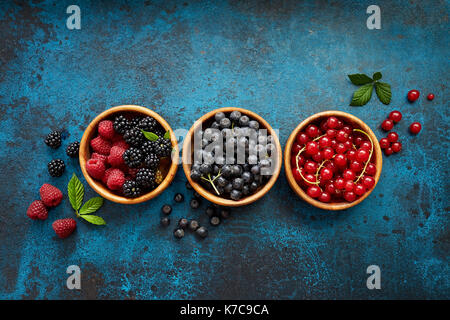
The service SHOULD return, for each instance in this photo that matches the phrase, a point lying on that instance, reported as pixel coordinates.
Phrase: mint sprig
(364, 93)
(75, 189)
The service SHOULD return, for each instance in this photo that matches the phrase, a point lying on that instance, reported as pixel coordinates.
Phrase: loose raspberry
(99, 156)
(37, 210)
(64, 227)
(116, 179)
(106, 130)
(51, 196)
(101, 145)
(115, 156)
(95, 168)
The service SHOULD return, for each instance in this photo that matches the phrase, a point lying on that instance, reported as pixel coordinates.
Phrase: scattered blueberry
(194, 203)
(210, 211)
(183, 223)
(202, 232)
(178, 197)
(224, 213)
(178, 233)
(165, 221)
(193, 225)
(215, 221)
(166, 209)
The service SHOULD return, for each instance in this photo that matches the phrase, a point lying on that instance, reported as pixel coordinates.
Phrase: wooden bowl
(85, 153)
(188, 156)
(357, 123)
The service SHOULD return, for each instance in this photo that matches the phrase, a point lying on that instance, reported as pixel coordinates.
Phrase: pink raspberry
(37, 210)
(116, 179)
(106, 130)
(106, 175)
(95, 168)
(101, 145)
(99, 156)
(122, 144)
(51, 196)
(115, 156)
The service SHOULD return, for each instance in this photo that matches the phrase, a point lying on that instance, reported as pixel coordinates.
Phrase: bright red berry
(325, 142)
(340, 160)
(99, 156)
(355, 166)
(392, 136)
(95, 168)
(430, 96)
(296, 174)
(340, 148)
(101, 145)
(395, 116)
(362, 155)
(296, 148)
(302, 138)
(312, 131)
(122, 144)
(351, 155)
(331, 133)
(384, 143)
(413, 95)
(106, 130)
(371, 169)
(324, 197)
(348, 129)
(116, 179)
(350, 196)
(317, 157)
(328, 153)
(388, 151)
(368, 182)
(415, 127)
(313, 191)
(310, 166)
(37, 210)
(366, 145)
(349, 185)
(359, 189)
(312, 148)
(387, 125)
(358, 141)
(326, 174)
(341, 136)
(396, 147)
(330, 187)
(348, 174)
(64, 227)
(332, 122)
(115, 158)
(51, 196)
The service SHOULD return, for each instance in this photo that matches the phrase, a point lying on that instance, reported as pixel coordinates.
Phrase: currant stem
(370, 155)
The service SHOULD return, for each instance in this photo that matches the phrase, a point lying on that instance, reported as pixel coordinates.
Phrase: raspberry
(53, 139)
(101, 145)
(115, 158)
(64, 227)
(95, 168)
(105, 129)
(56, 167)
(51, 196)
(99, 156)
(37, 210)
(121, 143)
(115, 180)
(106, 175)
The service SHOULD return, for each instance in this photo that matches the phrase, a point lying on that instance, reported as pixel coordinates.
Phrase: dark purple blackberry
(121, 124)
(53, 139)
(163, 147)
(131, 189)
(151, 161)
(148, 124)
(134, 137)
(148, 147)
(56, 167)
(132, 157)
(145, 177)
(72, 149)
(134, 123)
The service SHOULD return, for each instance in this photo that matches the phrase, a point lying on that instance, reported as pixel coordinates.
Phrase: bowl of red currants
(333, 160)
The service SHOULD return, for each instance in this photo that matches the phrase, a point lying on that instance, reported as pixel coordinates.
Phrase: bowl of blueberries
(232, 156)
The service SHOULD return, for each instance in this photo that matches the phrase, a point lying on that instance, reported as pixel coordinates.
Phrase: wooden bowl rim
(187, 157)
(287, 159)
(98, 186)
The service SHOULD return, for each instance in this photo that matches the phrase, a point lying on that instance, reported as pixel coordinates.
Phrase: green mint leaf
(359, 79)
(377, 76)
(362, 95)
(93, 219)
(150, 135)
(383, 91)
(167, 135)
(75, 189)
(91, 205)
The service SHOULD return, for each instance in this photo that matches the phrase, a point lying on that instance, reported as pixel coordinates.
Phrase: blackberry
(121, 124)
(134, 137)
(151, 161)
(134, 123)
(148, 147)
(56, 167)
(163, 147)
(132, 157)
(145, 177)
(148, 124)
(53, 139)
(131, 189)
(72, 149)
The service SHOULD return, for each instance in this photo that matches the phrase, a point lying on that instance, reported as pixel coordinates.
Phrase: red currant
(430, 96)
(340, 125)
(342, 136)
(328, 153)
(312, 148)
(366, 145)
(371, 169)
(349, 185)
(358, 141)
(348, 174)
(362, 155)
(397, 147)
(301, 160)
(351, 154)
(330, 187)
(324, 197)
(348, 145)
(317, 157)
(340, 148)
(325, 142)
(413, 95)
(302, 138)
(310, 177)
(415, 127)
(312, 131)
(347, 129)
(360, 189)
(339, 183)
(355, 166)
(313, 191)
(323, 126)
(384, 143)
(296, 174)
(368, 182)
(340, 160)
(387, 125)
(310, 166)
(331, 133)
(350, 196)
(388, 151)
(330, 165)
(326, 174)
(395, 116)
(332, 122)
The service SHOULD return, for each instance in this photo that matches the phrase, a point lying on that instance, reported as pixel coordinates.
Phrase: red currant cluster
(332, 161)
(390, 144)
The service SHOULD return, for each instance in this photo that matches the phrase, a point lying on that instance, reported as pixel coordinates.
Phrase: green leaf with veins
(383, 91)
(91, 205)
(75, 189)
(359, 79)
(362, 95)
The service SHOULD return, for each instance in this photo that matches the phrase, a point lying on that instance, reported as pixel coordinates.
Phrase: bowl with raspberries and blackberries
(231, 156)
(128, 154)
(332, 160)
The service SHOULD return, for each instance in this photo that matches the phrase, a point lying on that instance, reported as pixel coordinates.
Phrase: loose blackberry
(151, 161)
(53, 139)
(72, 149)
(131, 189)
(148, 124)
(148, 147)
(121, 124)
(163, 147)
(132, 157)
(134, 137)
(56, 167)
(145, 177)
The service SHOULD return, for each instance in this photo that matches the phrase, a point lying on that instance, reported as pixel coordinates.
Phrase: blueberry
(235, 195)
(197, 195)
(255, 169)
(196, 175)
(194, 203)
(216, 170)
(252, 159)
(178, 233)
(202, 232)
(222, 182)
(247, 177)
(214, 221)
(253, 124)
(188, 185)
(193, 225)
(165, 221)
(219, 116)
(178, 197)
(166, 209)
(215, 125)
(238, 183)
(210, 211)
(228, 188)
(205, 168)
(271, 148)
(225, 123)
(253, 186)
(262, 139)
(245, 190)
(183, 223)
(226, 171)
(224, 213)
(264, 163)
(235, 115)
(236, 170)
